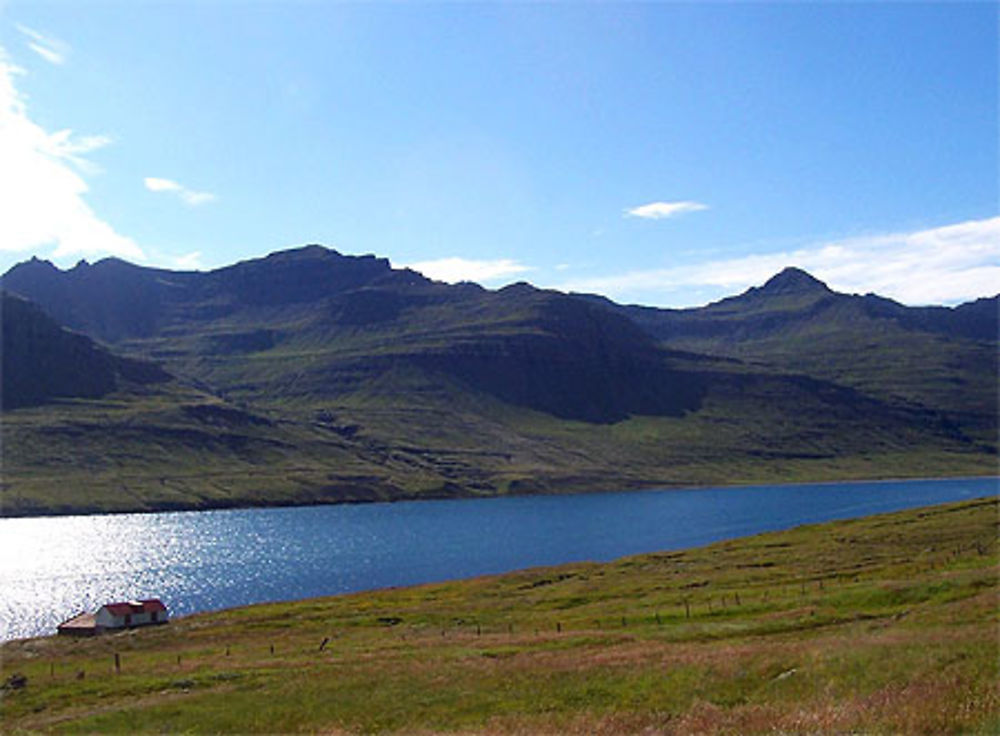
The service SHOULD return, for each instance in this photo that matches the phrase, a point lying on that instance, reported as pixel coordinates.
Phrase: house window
(128, 619)
(153, 616)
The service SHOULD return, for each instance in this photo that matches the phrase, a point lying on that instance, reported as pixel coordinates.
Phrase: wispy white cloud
(188, 196)
(663, 210)
(453, 270)
(49, 48)
(62, 144)
(42, 189)
(188, 262)
(942, 265)
(160, 185)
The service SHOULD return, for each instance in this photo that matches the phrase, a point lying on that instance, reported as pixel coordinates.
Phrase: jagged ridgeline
(351, 380)
(311, 324)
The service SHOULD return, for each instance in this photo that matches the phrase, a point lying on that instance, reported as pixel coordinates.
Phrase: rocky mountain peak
(793, 281)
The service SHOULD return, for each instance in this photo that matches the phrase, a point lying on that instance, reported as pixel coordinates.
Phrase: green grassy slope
(406, 437)
(373, 383)
(929, 358)
(886, 624)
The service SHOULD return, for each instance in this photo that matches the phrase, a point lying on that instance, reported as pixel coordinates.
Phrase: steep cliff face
(113, 300)
(942, 359)
(308, 376)
(571, 360)
(314, 325)
(42, 360)
(110, 300)
(297, 276)
(321, 325)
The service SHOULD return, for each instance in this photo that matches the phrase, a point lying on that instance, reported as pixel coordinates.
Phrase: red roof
(144, 606)
(120, 609)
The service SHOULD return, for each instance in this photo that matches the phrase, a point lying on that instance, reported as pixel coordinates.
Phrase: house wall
(107, 620)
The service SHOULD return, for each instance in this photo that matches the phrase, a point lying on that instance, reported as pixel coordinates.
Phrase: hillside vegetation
(43, 361)
(309, 376)
(886, 624)
(927, 357)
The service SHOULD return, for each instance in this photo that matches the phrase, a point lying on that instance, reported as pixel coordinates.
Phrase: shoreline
(499, 565)
(773, 630)
(468, 496)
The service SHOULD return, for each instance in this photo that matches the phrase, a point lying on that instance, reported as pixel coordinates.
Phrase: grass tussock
(887, 624)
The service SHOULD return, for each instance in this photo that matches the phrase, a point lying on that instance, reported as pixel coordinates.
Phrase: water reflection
(51, 568)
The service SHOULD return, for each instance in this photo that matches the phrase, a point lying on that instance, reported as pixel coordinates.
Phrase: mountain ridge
(336, 378)
(294, 300)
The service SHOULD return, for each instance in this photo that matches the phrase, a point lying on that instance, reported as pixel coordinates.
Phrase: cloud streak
(188, 196)
(663, 210)
(454, 270)
(49, 48)
(42, 190)
(942, 265)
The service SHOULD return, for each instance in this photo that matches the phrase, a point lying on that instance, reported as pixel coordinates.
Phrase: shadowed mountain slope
(932, 358)
(116, 301)
(308, 376)
(43, 361)
(320, 324)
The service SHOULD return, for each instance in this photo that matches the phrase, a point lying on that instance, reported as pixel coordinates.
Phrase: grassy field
(887, 624)
(177, 447)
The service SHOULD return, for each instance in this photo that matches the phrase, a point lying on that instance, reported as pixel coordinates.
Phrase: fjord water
(51, 568)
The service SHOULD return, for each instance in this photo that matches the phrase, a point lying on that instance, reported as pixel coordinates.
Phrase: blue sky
(665, 154)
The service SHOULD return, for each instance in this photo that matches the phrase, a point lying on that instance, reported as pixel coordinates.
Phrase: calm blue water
(51, 568)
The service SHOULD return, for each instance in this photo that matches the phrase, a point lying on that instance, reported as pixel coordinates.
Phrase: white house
(131, 613)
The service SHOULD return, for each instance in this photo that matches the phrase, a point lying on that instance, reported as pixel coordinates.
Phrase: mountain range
(309, 376)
